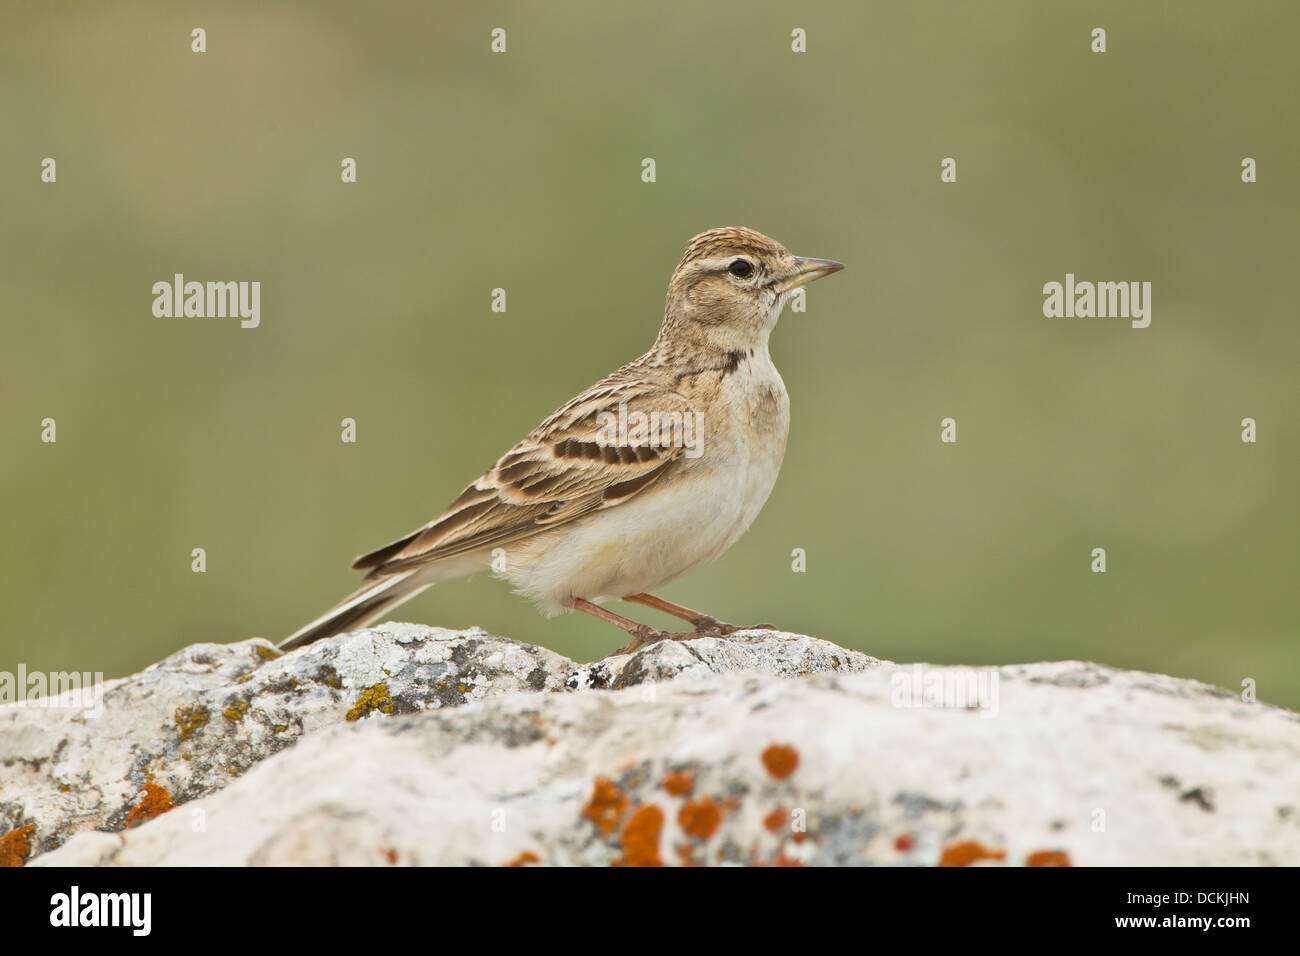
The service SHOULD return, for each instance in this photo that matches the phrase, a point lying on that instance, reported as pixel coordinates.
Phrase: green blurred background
(522, 171)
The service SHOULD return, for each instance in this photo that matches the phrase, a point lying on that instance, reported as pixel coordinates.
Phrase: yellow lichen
(191, 720)
(371, 699)
(235, 712)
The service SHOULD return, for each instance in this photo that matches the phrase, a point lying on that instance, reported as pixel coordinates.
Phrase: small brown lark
(652, 472)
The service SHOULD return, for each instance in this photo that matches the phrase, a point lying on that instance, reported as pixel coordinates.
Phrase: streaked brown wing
(563, 470)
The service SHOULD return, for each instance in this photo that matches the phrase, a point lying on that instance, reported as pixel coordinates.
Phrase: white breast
(682, 521)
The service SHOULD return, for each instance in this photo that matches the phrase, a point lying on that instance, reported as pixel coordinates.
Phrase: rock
(683, 753)
(190, 724)
(769, 652)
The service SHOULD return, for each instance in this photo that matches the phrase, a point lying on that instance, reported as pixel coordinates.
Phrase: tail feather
(359, 608)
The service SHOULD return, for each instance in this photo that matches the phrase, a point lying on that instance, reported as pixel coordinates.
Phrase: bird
(650, 473)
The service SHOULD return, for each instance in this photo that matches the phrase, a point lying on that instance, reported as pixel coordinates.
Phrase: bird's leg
(642, 634)
(705, 624)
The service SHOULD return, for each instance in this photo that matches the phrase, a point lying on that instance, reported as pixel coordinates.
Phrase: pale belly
(673, 527)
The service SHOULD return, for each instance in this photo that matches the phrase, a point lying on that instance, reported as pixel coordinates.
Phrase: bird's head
(731, 285)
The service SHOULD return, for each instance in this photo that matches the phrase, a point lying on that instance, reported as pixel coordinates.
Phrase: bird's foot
(644, 636)
(711, 627)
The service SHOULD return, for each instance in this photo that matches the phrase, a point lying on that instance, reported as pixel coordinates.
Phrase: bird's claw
(712, 627)
(706, 627)
(645, 636)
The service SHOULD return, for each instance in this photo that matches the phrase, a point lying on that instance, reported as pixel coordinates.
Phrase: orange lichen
(700, 818)
(780, 760)
(967, 852)
(782, 860)
(775, 820)
(390, 855)
(1048, 858)
(606, 806)
(678, 783)
(155, 802)
(641, 837)
(523, 859)
(904, 842)
(15, 846)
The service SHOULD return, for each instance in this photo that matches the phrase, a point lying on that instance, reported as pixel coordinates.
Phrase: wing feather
(564, 469)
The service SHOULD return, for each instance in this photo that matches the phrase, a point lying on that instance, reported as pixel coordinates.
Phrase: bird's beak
(807, 270)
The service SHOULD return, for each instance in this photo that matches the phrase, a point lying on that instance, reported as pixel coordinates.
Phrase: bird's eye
(740, 268)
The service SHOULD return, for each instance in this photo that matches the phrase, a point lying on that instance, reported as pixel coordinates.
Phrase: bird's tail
(360, 607)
